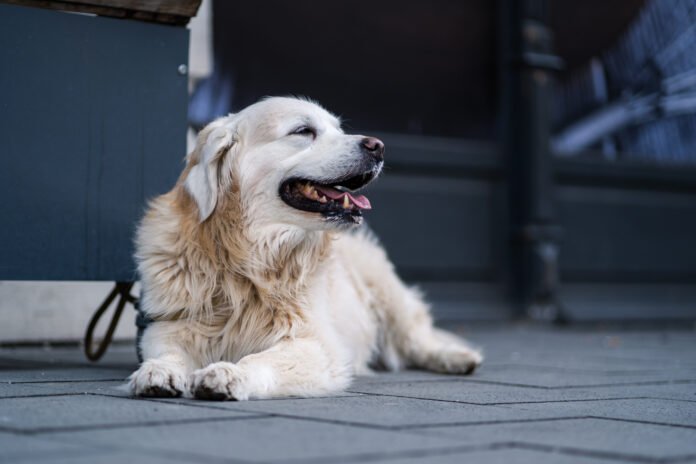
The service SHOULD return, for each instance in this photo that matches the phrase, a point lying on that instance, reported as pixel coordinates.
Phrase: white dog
(256, 284)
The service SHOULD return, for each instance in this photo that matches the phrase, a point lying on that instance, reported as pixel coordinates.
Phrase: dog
(257, 277)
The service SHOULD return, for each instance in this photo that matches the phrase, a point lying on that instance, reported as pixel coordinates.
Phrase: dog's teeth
(322, 199)
(315, 195)
(346, 202)
(307, 189)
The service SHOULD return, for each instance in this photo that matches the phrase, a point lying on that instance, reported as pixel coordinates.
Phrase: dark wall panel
(436, 225)
(93, 124)
(613, 233)
(600, 301)
(439, 210)
(627, 248)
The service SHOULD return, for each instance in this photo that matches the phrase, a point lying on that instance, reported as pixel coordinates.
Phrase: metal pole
(526, 64)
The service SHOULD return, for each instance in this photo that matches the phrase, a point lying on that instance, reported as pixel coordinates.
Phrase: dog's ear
(202, 181)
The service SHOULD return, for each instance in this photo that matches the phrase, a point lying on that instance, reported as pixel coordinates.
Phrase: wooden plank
(176, 12)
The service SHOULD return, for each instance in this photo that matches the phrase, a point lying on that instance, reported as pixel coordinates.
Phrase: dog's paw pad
(154, 391)
(218, 382)
(204, 393)
(159, 379)
(460, 362)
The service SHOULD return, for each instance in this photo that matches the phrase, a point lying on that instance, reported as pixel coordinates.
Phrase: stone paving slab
(22, 448)
(600, 362)
(543, 396)
(498, 455)
(673, 412)
(473, 392)
(57, 374)
(119, 356)
(548, 379)
(41, 414)
(618, 440)
(393, 412)
(649, 349)
(275, 439)
(18, 390)
(107, 456)
(560, 378)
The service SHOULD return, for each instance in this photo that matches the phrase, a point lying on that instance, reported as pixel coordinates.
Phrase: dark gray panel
(456, 301)
(627, 234)
(628, 301)
(93, 124)
(436, 225)
(439, 207)
(627, 248)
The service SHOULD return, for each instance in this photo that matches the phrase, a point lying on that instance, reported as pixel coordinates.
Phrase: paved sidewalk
(543, 396)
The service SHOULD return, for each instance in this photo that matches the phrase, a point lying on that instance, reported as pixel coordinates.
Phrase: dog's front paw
(158, 378)
(219, 381)
(461, 361)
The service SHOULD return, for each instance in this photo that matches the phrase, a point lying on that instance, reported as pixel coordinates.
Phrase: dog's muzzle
(338, 198)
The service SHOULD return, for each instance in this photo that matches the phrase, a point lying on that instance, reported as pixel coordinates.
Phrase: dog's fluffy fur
(254, 298)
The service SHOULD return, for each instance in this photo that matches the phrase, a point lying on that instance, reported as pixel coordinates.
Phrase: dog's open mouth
(331, 198)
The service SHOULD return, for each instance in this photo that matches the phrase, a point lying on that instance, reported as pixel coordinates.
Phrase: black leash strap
(121, 289)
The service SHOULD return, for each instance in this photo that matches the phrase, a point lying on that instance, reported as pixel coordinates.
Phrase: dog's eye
(304, 131)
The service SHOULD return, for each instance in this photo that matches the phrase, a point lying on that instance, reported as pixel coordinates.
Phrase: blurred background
(541, 155)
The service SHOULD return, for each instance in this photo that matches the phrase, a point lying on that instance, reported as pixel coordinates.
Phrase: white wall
(55, 311)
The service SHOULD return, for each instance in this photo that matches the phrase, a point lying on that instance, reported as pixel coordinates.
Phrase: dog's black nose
(373, 146)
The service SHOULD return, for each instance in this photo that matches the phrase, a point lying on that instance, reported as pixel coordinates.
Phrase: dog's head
(287, 161)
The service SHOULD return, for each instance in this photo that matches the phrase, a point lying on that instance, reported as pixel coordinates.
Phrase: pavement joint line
(345, 422)
(462, 380)
(541, 387)
(175, 400)
(519, 402)
(179, 455)
(617, 372)
(24, 382)
(671, 399)
(363, 425)
(90, 427)
(43, 395)
(33, 363)
(335, 421)
(310, 398)
(646, 422)
(492, 422)
(377, 456)
(88, 451)
(582, 400)
(439, 400)
(401, 426)
(569, 450)
(628, 384)
(387, 427)
(202, 403)
(679, 459)
(189, 456)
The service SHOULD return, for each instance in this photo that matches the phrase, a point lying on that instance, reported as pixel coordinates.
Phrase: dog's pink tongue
(360, 201)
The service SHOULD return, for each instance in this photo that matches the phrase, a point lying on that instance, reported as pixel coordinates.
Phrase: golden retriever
(259, 281)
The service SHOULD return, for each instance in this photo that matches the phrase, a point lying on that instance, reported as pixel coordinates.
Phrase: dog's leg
(410, 329)
(293, 367)
(166, 366)
(407, 335)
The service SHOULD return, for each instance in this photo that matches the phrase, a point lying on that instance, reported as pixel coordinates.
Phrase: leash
(123, 291)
